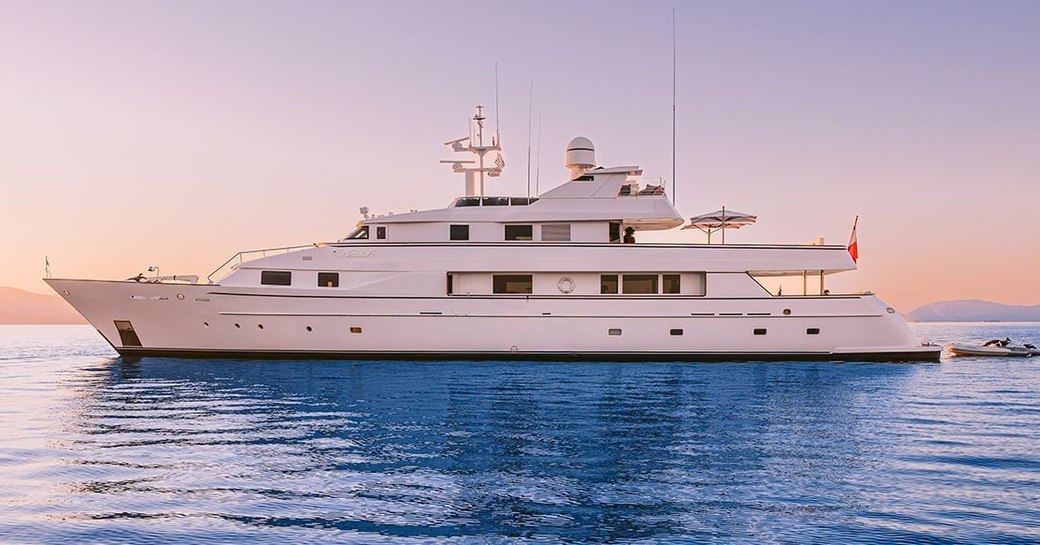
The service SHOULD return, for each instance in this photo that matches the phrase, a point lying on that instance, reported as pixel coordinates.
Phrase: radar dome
(581, 156)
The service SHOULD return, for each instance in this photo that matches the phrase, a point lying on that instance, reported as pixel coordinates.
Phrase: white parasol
(720, 220)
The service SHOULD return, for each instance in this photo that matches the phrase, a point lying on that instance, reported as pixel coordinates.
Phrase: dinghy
(991, 351)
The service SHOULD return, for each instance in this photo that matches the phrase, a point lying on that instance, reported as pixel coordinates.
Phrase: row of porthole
(615, 331)
(353, 329)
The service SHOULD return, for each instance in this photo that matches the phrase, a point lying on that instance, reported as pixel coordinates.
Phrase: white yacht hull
(211, 320)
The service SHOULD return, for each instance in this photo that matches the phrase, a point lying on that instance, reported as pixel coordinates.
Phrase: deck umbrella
(720, 220)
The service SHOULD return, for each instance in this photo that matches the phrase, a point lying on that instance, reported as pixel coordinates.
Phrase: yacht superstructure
(546, 277)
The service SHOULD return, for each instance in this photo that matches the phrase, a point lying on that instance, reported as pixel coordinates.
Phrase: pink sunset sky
(177, 133)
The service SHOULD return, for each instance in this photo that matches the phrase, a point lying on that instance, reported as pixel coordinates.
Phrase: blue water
(95, 449)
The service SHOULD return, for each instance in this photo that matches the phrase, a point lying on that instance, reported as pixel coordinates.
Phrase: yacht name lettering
(358, 253)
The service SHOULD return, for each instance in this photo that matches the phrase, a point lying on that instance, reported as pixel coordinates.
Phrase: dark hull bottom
(908, 356)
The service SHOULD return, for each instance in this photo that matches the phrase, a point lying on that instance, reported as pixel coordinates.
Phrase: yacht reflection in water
(408, 449)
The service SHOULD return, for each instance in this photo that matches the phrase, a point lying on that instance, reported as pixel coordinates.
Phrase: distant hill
(23, 307)
(975, 311)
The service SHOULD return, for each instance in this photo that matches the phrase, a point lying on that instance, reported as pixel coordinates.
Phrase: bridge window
(608, 283)
(512, 283)
(328, 280)
(381, 232)
(459, 232)
(276, 278)
(519, 232)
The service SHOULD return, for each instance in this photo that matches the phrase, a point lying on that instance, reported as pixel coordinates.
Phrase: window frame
(270, 275)
(556, 232)
(335, 281)
(515, 277)
(361, 233)
(656, 280)
(528, 227)
(452, 228)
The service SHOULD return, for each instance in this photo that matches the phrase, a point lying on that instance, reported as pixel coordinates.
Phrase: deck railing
(241, 257)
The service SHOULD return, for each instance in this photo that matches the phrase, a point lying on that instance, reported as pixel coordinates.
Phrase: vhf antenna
(538, 157)
(530, 109)
(673, 106)
(498, 136)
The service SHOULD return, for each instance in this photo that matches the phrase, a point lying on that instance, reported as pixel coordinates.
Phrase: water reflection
(566, 451)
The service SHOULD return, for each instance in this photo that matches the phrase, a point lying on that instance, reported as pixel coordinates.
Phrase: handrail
(240, 256)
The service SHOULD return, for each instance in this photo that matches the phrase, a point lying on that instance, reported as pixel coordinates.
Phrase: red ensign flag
(853, 245)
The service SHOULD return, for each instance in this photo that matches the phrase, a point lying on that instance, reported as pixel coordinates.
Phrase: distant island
(974, 311)
(23, 307)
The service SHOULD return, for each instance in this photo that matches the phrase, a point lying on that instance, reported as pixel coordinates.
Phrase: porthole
(238, 326)
(890, 310)
(675, 332)
(787, 312)
(566, 284)
(205, 324)
(614, 331)
(355, 329)
(309, 328)
(180, 296)
(760, 331)
(65, 292)
(259, 326)
(812, 331)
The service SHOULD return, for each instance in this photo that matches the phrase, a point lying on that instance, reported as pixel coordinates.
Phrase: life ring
(566, 284)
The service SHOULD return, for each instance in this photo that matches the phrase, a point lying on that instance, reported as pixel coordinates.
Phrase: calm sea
(94, 449)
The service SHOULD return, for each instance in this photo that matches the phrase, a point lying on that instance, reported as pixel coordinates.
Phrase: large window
(639, 283)
(519, 232)
(608, 283)
(381, 232)
(328, 280)
(459, 232)
(556, 232)
(670, 284)
(512, 283)
(276, 278)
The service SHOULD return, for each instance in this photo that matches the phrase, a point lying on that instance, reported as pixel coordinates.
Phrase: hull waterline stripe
(895, 356)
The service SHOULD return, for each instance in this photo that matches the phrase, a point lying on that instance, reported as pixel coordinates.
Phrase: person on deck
(629, 236)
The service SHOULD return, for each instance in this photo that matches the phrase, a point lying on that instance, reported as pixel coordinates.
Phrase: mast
(475, 174)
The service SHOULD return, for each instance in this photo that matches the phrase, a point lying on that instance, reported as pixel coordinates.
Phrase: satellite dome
(581, 156)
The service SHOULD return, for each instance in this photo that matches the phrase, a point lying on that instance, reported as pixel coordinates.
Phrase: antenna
(498, 136)
(673, 106)
(530, 108)
(538, 160)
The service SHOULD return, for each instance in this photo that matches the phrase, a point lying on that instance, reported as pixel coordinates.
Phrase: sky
(178, 133)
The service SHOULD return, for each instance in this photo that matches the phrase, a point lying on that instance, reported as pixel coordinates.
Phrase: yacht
(557, 276)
